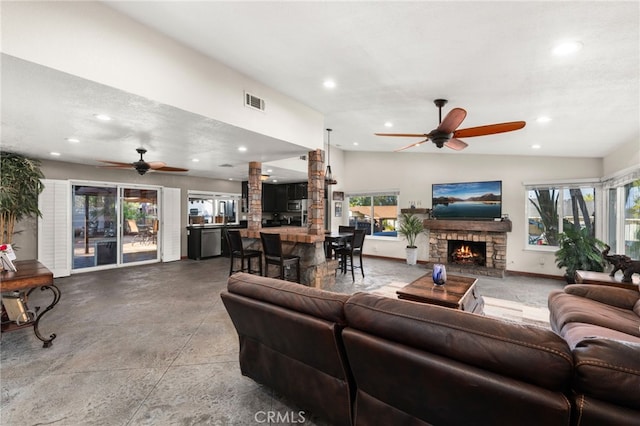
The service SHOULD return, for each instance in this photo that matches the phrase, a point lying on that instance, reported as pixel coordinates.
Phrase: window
(377, 213)
(551, 209)
(623, 214)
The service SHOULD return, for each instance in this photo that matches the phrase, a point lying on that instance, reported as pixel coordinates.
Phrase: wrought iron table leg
(56, 299)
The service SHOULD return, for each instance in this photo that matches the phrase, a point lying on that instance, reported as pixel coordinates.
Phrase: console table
(29, 276)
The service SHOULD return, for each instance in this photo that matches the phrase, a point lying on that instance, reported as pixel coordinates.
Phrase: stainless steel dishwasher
(210, 242)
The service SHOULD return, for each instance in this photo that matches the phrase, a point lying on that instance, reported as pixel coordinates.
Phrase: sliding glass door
(94, 226)
(140, 224)
(98, 241)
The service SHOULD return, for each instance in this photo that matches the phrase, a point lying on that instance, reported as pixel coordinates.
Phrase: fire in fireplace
(467, 252)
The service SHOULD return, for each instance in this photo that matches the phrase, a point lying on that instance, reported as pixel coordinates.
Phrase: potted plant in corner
(410, 227)
(579, 250)
(21, 185)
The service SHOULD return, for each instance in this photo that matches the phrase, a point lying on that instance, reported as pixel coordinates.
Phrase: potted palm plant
(410, 227)
(19, 190)
(579, 250)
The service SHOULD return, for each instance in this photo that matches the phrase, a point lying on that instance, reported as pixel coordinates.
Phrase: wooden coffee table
(458, 293)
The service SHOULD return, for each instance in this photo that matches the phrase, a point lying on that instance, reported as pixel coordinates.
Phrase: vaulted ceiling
(388, 60)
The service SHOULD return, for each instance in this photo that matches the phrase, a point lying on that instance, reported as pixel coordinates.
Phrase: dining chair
(347, 253)
(237, 251)
(273, 255)
(342, 229)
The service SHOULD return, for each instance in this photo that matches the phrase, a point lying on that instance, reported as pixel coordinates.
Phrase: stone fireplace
(475, 247)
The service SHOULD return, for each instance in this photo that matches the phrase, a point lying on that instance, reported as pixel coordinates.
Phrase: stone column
(254, 220)
(315, 192)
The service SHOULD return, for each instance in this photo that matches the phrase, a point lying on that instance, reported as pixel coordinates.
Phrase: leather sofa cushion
(614, 296)
(506, 348)
(608, 370)
(312, 301)
(567, 308)
(575, 332)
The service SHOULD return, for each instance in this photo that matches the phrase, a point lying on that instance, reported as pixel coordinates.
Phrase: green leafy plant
(579, 250)
(410, 227)
(20, 186)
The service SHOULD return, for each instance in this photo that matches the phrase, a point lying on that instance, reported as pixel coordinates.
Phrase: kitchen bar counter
(316, 270)
(293, 234)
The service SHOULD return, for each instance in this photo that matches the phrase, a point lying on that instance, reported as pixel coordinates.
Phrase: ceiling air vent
(253, 101)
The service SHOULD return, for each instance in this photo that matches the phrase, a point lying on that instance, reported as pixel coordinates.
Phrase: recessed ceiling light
(242, 149)
(195, 160)
(536, 146)
(73, 140)
(356, 143)
(388, 124)
(269, 170)
(54, 154)
(566, 48)
(103, 117)
(275, 181)
(543, 119)
(329, 84)
(230, 178)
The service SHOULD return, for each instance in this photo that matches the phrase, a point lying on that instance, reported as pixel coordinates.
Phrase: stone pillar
(315, 192)
(254, 220)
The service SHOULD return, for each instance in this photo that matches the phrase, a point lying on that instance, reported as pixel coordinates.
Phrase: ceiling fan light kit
(446, 134)
(142, 166)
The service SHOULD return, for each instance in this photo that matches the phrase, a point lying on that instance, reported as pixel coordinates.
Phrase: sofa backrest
(607, 370)
(453, 367)
(290, 340)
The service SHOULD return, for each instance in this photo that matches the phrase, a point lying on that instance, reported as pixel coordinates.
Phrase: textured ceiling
(390, 60)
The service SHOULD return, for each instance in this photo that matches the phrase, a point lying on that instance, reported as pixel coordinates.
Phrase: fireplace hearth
(463, 252)
(473, 258)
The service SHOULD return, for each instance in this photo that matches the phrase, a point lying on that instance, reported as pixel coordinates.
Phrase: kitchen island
(316, 270)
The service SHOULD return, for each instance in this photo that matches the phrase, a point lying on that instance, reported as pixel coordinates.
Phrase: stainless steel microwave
(296, 205)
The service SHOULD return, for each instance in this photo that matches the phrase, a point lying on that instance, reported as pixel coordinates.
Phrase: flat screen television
(467, 200)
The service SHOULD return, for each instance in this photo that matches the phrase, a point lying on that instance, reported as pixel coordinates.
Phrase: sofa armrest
(608, 370)
(613, 296)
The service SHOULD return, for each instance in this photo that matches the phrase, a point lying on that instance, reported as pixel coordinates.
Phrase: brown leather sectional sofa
(369, 360)
(601, 324)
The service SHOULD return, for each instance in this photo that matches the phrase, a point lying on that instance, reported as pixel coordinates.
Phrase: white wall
(627, 156)
(413, 174)
(95, 42)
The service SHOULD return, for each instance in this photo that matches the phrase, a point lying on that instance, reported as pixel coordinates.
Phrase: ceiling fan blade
(128, 166)
(115, 163)
(490, 129)
(456, 144)
(170, 169)
(411, 146)
(155, 165)
(404, 135)
(451, 122)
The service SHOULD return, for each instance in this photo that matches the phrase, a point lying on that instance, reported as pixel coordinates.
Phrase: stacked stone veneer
(254, 219)
(315, 192)
(494, 234)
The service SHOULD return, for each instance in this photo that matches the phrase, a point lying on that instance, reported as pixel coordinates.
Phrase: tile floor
(153, 345)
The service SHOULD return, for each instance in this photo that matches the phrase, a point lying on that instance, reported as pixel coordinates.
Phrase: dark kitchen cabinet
(269, 197)
(281, 198)
(297, 191)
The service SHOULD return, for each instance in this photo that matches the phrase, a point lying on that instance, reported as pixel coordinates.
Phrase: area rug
(495, 308)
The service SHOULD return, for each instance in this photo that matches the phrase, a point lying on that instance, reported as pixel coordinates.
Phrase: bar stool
(347, 253)
(237, 250)
(272, 246)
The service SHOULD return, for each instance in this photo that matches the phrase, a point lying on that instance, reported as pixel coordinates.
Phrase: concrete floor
(153, 345)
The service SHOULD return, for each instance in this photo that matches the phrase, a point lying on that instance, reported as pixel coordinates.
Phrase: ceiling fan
(447, 135)
(142, 166)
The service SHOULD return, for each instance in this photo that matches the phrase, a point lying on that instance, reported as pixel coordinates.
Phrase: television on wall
(467, 200)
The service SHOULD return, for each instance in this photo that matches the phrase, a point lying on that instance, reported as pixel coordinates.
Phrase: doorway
(114, 225)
